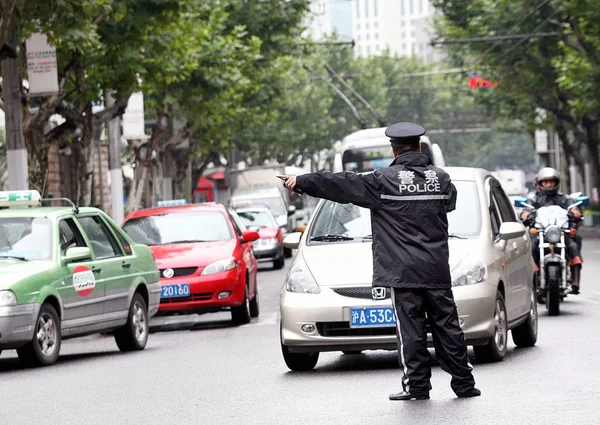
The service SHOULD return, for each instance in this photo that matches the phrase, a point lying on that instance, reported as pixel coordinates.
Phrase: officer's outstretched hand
(290, 182)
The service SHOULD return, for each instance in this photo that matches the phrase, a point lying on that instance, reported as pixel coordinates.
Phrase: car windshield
(257, 219)
(26, 238)
(180, 227)
(275, 204)
(355, 222)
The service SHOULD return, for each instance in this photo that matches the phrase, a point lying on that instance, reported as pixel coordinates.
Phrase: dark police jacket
(408, 202)
(541, 199)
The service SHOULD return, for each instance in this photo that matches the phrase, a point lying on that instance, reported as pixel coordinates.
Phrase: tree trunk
(136, 190)
(591, 129)
(37, 156)
(182, 164)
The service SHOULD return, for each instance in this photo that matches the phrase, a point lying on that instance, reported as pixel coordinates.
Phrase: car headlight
(552, 234)
(7, 298)
(220, 266)
(301, 280)
(469, 273)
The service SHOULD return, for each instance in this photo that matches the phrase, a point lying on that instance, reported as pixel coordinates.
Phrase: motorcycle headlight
(469, 273)
(220, 266)
(7, 298)
(301, 280)
(552, 234)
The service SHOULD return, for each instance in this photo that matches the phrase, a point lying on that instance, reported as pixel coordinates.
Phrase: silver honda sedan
(328, 302)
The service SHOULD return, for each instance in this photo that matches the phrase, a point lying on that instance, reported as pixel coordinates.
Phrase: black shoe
(574, 290)
(473, 393)
(404, 396)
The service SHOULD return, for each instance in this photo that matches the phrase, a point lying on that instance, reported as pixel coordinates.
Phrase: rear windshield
(257, 219)
(26, 237)
(182, 227)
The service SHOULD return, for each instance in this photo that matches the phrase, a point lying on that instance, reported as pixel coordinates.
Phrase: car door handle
(126, 265)
(96, 271)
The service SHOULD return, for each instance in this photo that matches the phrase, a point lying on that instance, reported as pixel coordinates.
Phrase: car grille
(360, 292)
(341, 329)
(181, 271)
(205, 296)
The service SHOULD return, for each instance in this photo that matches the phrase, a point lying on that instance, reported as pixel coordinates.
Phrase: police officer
(409, 201)
(547, 183)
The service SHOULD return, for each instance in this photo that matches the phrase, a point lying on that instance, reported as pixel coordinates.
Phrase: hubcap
(139, 322)
(500, 317)
(46, 334)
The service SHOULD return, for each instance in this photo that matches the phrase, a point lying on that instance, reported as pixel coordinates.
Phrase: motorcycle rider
(547, 183)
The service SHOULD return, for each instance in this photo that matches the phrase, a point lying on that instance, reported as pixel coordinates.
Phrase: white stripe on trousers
(404, 367)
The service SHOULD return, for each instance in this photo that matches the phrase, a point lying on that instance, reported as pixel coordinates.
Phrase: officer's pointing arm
(344, 187)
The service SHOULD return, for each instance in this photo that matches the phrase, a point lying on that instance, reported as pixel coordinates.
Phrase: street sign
(41, 66)
(478, 83)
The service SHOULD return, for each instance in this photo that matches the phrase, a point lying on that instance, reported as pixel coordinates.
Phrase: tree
(557, 74)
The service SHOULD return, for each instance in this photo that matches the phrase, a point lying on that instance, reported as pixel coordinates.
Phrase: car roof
(204, 207)
(466, 173)
(49, 212)
(253, 208)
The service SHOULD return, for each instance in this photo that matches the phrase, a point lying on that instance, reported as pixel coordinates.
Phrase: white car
(328, 303)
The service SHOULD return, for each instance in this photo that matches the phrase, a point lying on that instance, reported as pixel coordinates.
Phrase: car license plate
(175, 291)
(372, 316)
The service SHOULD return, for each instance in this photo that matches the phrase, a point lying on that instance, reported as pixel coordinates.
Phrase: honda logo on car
(378, 293)
(84, 281)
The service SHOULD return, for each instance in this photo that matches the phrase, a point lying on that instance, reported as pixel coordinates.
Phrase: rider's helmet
(548, 174)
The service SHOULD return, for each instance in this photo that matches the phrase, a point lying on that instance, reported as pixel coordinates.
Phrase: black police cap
(404, 132)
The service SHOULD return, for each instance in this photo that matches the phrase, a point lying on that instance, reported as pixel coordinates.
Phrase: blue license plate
(372, 316)
(175, 291)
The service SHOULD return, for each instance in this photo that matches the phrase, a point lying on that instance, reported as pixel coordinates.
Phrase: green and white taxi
(67, 272)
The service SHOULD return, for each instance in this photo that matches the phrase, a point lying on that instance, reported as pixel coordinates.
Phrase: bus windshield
(366, 159)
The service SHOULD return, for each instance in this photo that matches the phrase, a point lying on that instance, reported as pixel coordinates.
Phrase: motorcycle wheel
(553, 276)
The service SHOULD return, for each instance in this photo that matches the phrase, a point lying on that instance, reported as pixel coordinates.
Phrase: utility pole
(116, 174)
(16, 153)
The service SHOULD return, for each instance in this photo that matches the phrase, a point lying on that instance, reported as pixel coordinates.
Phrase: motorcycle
(553, 225)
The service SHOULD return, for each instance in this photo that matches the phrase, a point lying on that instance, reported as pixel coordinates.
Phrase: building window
(368, 49)
(366, 8)
(377, 47)
(376, 24)
(402, 7)
(368, 37)
(375, 8)
(403, 46)
(403, 35)
(376, 36)
(358, 37)
(358, 9)
(358, 27)
(411, 6)
(367, 26)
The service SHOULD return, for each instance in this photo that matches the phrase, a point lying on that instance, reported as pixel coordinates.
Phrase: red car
(270, 245)
(206, 261)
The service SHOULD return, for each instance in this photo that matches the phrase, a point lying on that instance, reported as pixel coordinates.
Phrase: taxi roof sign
(13, 198)
(171, 203)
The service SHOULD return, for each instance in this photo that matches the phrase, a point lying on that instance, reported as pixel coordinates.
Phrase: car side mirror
(291, 210)
(250, 236)
(77, 253)
(511, 230)
(292, 240)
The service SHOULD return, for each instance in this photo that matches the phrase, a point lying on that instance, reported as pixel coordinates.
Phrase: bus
(367, 150)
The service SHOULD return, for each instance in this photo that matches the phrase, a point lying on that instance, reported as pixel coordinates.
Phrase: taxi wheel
(299, 362)
(287, 253)
(279, 263)
(134, 335)
(241, 314)
(525, 335)
(44, 348)
(495, 349)
(255, 305)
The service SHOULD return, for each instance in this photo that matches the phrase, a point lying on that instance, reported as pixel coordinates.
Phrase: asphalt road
(201, 370)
